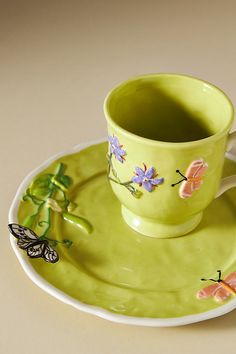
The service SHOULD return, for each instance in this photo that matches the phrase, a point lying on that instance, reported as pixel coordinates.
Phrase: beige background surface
(58, 59)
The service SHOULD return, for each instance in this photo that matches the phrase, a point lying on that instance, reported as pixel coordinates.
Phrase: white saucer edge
(60, 295)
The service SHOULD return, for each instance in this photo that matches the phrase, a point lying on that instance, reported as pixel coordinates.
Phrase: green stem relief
(41, 190)
(128, 185)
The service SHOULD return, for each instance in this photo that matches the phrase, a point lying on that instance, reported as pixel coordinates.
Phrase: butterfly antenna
(183, 179)
(209, 279)
(178, 171)
(174, 184)
(219, 271)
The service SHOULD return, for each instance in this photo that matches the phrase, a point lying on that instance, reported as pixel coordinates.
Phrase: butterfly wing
(20, 232)
(195, 171)
(197, 185)
(197, 168)
(231, 280)
(36, 249)
(186, 189)
(25, 237)
(208, 291)
(221, 294)
(24, 243)
(199, 175)
(50, 255)
(29, 241)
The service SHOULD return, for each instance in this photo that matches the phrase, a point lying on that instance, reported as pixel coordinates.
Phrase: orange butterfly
(221, 290)
(193, 178)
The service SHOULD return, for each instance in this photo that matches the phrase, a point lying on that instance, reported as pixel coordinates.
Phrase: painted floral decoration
(147, 178)
(116, 148)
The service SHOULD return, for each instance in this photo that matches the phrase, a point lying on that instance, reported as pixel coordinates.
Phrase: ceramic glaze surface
(116, 268)
(169, 107)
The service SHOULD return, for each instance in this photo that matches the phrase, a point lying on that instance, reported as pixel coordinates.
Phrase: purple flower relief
(147, 178)
(116, 148)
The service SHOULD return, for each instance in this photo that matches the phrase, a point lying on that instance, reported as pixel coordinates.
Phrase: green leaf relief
(48, 193)
(78, 221)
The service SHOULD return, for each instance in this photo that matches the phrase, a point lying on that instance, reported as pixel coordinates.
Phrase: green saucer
(123, 272)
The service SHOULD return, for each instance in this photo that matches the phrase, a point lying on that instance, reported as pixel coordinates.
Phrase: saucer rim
(91, 309)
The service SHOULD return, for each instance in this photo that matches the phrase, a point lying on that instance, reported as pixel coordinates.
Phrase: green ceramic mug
(168, 135)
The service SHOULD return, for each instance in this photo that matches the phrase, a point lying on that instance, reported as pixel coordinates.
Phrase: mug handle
(228, 182)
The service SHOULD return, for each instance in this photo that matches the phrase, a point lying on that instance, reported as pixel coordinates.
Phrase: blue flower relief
(116, 148)
(147, 178)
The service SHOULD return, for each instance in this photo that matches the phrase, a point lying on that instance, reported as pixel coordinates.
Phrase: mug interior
(169, 107)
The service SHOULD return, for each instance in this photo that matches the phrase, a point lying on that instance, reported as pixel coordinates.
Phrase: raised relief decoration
(221, 289)
(193, 178)
(146, 177)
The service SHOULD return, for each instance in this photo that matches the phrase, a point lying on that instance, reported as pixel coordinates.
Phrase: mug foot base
(151, 228)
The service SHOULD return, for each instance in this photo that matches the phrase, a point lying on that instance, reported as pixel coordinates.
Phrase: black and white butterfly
(27, 240)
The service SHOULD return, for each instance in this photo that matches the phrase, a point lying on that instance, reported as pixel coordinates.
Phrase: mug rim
(152, 142)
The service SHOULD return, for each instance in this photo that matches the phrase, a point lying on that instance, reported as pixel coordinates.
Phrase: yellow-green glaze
(168, 121)
(122, 271)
